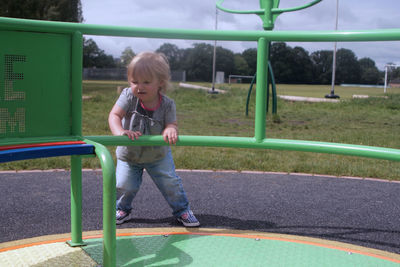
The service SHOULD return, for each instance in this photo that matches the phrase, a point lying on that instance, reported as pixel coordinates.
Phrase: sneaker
(188, 219)
(121, 216)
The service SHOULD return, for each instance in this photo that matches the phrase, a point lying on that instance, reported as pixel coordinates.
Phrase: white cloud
(191, 14)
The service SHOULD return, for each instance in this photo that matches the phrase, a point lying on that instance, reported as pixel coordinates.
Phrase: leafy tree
(241, 66)
(290, 65)
(93, 56)
(225, 61)
(280, 61)
(280, 57)
(347, 68)
(173, 54)
(127, 56)
(371, 76)
(301, 65)
(198, 61)
(250, 55)
(55, 10)
(369, 72)
(322, 66)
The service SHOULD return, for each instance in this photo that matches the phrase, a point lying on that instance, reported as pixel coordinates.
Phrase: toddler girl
(143, 109)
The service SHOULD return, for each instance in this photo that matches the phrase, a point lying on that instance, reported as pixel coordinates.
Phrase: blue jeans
(162, 172)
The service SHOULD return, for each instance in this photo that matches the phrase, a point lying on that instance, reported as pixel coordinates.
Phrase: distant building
(115, 74)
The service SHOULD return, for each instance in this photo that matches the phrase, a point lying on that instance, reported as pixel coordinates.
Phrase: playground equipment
(41, 98)
(41, 114)
(271, 81)
(268, 13)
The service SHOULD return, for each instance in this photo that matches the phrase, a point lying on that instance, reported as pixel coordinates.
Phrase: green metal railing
(219, 35)
(268, 12)
(258, 141)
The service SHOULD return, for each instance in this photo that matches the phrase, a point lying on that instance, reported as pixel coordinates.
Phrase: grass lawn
(373, 121)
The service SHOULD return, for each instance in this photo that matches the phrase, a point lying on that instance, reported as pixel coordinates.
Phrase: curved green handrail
(269, 11)
(249, 94)
(273, 89)
(250, 142)
(109, 209)
(220, 7)
(271, 80)
(282, 10)
(274, 10)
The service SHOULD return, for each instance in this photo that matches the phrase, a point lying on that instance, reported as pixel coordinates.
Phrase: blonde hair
(150, 65)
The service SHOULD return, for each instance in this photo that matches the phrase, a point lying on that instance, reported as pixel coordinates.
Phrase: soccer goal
(387, 67)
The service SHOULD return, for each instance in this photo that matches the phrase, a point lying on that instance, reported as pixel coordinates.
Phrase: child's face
(146, 90)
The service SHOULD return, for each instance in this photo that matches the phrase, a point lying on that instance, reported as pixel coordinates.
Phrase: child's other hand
(132, 134)
(170, 135)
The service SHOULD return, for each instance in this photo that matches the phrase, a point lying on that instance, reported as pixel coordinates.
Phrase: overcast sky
(200, 14)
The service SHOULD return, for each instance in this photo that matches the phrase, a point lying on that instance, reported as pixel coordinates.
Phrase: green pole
(261, 87)
(268, 23)
(76, 129)
(109, 209)
(76, 201)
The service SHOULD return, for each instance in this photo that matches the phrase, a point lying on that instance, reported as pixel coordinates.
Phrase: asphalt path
(357, 211)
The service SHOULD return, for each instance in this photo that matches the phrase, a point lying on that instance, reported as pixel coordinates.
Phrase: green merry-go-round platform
(198, 247)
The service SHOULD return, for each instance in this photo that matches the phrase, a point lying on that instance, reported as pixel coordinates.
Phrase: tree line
(54, 10)
(290, 64)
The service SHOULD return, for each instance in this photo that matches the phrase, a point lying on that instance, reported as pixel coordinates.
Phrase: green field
(373, 121)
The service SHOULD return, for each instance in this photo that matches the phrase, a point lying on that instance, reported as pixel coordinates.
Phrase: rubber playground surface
(248, 219)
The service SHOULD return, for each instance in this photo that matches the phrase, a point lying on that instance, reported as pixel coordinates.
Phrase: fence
(104, 74)
(119, 74)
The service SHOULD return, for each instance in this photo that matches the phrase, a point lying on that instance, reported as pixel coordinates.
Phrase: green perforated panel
(35, 82)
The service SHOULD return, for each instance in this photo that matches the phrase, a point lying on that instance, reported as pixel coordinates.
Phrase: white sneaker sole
(196, 224)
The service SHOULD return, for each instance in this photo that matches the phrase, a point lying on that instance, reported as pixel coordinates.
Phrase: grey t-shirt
(148, 123)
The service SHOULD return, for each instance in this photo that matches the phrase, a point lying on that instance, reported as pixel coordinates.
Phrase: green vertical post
(76, 201)
(76, 130)
(267, 5)
(261, 89)
(109, 209)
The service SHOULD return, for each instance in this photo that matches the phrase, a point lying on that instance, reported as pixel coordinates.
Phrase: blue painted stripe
(45, 152)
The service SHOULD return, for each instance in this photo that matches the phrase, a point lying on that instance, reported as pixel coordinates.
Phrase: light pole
(214, 56)
(332, 94)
